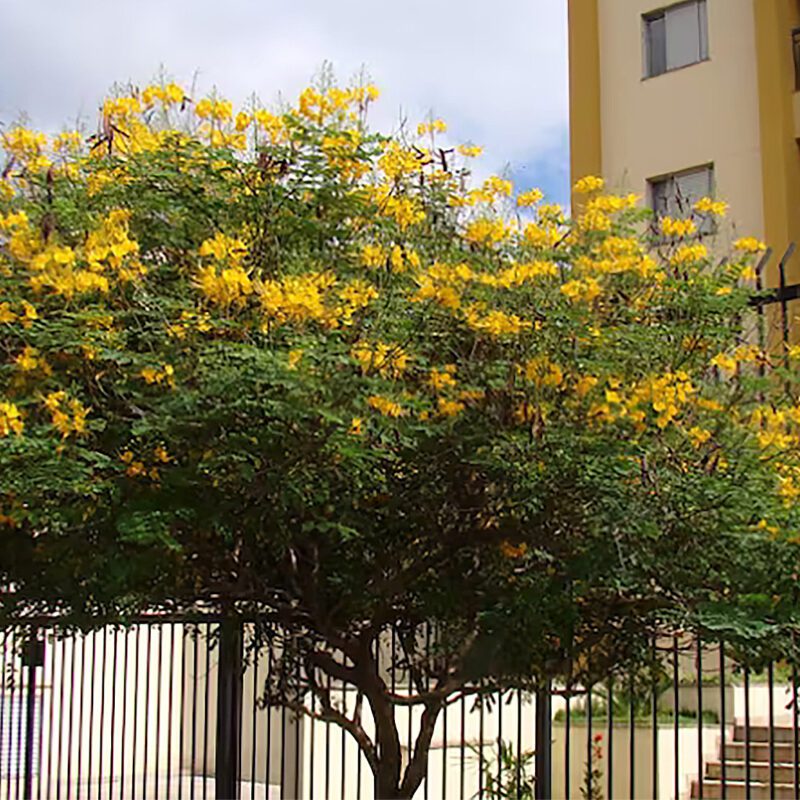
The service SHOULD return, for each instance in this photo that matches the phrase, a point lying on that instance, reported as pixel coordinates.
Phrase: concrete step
(760, 733)
(759, 751)
(759, 771)
(738, 790)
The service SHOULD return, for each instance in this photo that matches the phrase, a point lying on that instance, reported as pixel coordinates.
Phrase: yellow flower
(469, 151)
(749, 244)
(585, 384)
(530, 198)
(699, 436)
(356, 426)
(441, 379)
(29, 360)
(448, 408)
(677, 227)
(160, 454)
(10, 419)
(585, 290)
(7, 316)
(510, 550)
(294, 358)
(486, 231)
(724, 362)
(385, 406)
(705, 205)
(588, 184)
(373, 255)
(541, 371)
(688, 254)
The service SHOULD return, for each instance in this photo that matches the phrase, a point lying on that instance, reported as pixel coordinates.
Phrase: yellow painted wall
(774, 21)
(701, 114)
(584, 93)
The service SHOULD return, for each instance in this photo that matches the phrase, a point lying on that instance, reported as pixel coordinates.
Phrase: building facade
(675, 100)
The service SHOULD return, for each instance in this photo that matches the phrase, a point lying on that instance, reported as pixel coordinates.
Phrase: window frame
(708, 226)
(661, 14)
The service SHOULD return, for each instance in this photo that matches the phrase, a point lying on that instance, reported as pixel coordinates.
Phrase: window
(674, 195)
(674, 37)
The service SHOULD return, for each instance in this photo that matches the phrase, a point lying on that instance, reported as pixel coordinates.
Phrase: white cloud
(497, 71)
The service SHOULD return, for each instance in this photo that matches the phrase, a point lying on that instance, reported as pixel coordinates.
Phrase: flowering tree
(275, 362)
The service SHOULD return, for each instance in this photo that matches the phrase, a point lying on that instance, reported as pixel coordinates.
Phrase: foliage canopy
(276, 361)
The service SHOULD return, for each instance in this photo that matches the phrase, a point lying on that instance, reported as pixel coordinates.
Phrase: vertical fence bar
(610, 738)
(51, 717)
(747, 731)
(544, 742)
(631, 736)
(91, 713)
(675, 722)
(654, 719)
(113, 730)
(795, 734)
(229, 709)
(771, 711)
(254, 730)
(34, 659)
(567, 746)
(699, 717)
(589, 753)
(723, 731)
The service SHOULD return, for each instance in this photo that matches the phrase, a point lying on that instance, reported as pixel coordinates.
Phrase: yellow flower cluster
(442, 379)
(530, 198)
(495, 323)
(31, 360)
(612, 203)
(27, 148)
(26, 316)
(400, 258)
(135, 467)
(544, 236)
(666, 395)
(436, 126)
(448, 408)
(389, 408)
(164, 374)
(678, 228)
(214, 109)
(397, 162)
(66, 415)
(542, 373)
(584, 290)
(299, 299)
(167, 95)
(271, 124)
(705, 205)
(10, 419)
(387, 360)
(588, 184)
(342, 154)
(487, 232)
(469, 150)
(316, 105)
(749, 244)
(688, 254)
(518, 274)
(189, 321)
(231, 285)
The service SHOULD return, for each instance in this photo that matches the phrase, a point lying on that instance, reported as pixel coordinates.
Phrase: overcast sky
(495, 70)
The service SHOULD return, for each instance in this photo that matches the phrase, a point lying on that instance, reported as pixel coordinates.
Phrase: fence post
(33, 657)
(544, 742)
(229, 710)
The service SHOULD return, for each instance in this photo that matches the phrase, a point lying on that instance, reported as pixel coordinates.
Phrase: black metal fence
(164, 708)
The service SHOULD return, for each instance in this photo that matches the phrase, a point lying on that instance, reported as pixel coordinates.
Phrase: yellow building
(675, 100)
